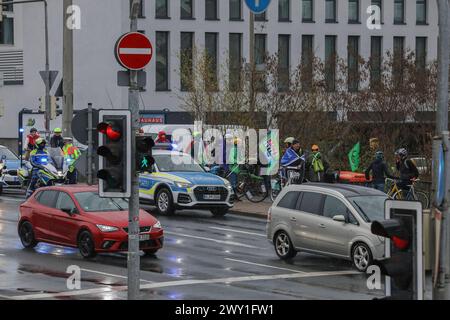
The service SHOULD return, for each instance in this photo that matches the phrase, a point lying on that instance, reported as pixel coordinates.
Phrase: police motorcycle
(53, 168)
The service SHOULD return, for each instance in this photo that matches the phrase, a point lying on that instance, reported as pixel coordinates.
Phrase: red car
(76, 216)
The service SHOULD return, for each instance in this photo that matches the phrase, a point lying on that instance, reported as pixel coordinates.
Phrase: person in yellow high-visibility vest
(71, 154)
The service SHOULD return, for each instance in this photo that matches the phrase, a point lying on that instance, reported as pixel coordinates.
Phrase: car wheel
(164, 202)
(150, 252)
(219, 212)
(86, 245)
(283, 246)
(361, 256)
(26, 235)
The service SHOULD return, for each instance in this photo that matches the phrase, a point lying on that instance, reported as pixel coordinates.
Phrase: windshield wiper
(118, 205)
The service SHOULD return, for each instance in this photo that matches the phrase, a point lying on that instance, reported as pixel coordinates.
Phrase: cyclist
(316, 165)
(379, 170)
(40, 151)
(31, 142)
(407, 169)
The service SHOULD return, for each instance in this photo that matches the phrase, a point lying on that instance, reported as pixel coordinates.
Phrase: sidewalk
(247, 208)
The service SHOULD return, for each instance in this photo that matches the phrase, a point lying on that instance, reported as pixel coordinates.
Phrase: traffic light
(115, 153)
(403, 251)
(144, 158)
(53, 107)
(42, 104)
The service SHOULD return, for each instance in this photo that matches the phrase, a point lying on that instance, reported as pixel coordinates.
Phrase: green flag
(353, 157)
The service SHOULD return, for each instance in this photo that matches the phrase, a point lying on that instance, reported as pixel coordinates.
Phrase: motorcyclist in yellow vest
(71, 154)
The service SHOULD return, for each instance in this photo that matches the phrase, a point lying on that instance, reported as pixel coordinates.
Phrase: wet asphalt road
(203, 258)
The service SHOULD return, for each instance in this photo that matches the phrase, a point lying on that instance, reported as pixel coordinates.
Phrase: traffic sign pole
(133, 222)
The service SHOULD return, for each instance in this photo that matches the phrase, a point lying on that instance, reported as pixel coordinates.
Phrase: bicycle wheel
(423, 198)
(255, 190)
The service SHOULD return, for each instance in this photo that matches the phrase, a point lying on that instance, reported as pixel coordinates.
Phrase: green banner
(353, 157)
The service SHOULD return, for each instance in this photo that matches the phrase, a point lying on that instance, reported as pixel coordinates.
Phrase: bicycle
(250, 185)
(412, 195)
(279, 182)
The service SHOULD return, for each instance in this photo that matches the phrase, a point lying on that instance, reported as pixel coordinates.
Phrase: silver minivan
(327, 219)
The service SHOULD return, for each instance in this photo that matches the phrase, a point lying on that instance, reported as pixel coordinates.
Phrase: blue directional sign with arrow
(257, 6)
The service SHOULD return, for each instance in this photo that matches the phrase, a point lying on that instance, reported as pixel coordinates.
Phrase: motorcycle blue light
(21, 130)
(44, 160)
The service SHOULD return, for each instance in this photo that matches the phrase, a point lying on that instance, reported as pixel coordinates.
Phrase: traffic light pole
(133, 222)
(441, 271)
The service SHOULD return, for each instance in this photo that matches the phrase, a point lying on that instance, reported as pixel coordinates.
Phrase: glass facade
(353, 63)
(186, 58)
(162, 61)
(161, 9)
(330, 11)
(307, 10)
(284, 10)
(330, 63)
(421, 11)
(376, 58)
(211, 10)
(235, 61)
(353, 11)
(235, 9)
(399, 11)
(187, 9)
(284, 61)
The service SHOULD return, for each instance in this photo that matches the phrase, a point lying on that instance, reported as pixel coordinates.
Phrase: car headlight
(104, 228)
(228, 184)
(183, 185)
(157, 225)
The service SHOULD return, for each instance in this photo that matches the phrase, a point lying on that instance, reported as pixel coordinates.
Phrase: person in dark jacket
(57, 140)
(380, 171)
(407, 169)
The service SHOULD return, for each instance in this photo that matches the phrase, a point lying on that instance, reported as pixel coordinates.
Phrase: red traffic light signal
(111, 130)
(393, 229)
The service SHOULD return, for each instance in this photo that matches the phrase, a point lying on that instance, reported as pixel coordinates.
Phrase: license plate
(144, 237)
(211, 196)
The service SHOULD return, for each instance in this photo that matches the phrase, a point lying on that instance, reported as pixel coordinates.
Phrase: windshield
(370, 208)
(175, 162)
(91, 202)
(6, 154)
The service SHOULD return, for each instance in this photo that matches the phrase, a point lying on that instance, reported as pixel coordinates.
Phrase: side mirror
(207, 169)
(339, 218)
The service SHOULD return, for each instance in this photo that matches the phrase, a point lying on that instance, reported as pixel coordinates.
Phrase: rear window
(289, 200)
(47, 198)
(312, 203)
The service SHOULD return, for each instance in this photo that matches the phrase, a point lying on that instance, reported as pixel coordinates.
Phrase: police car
(178, 182)
(9, 164)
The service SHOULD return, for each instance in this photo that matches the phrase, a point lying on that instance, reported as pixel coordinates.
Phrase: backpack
(317, 163)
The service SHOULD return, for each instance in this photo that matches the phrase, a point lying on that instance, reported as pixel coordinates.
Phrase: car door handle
(293, 219)
(321, 225)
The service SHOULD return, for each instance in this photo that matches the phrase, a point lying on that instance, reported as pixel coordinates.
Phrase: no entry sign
(133, 51)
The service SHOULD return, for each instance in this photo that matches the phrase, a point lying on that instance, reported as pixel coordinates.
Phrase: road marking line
(12, 199)
(238, 231)
(231, 243)
(111, 275)
(176, 283)
(6, 297)
(2, 255)
(265, 265)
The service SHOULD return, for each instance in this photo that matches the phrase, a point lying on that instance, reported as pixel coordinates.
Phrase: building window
(353, 11)
(260, 61)
(186, 58)
(399, 53)
(162, 9)
(379, 4)
(162, 61)
(187, 9)
(307, 61)
(353, 63)
(211, 43)
(7, 25)
(235, 9)
(284, 10)
(421, 52)
(421, 11)
(399, 11)
(141, 12)
(330, 63)
(376, 58)
(261, 16)
(211, 10)
(330, 11)
(284, 61)
(307, 11)
(235, 61)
